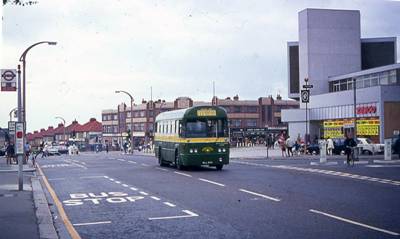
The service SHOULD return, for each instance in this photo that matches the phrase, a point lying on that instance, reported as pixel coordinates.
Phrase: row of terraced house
(86, 136)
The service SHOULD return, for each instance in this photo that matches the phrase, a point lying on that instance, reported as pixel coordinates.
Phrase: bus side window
(155, 127)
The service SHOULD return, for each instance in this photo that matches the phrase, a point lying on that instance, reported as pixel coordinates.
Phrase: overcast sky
(177, 47)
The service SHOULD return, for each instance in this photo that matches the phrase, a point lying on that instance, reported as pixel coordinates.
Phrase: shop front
(366, 128)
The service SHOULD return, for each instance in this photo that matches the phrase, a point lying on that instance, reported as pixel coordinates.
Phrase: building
(249, 119)
(333, 57)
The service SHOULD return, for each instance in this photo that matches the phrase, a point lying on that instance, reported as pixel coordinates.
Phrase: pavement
(100, 195)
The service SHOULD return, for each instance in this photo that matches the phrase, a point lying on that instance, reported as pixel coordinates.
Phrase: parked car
(396, 145)
(313, 148)
(339, 146)
(368, 147)
(62, 149)
(52, 150)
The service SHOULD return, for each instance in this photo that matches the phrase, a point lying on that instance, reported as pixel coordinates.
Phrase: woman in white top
(330, 146)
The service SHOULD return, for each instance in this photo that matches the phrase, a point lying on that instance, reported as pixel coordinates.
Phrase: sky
(176, 47)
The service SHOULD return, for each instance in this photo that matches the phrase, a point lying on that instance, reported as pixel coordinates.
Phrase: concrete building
(332, 55)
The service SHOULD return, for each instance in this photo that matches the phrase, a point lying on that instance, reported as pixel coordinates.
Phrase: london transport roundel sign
(8, 75)
(305, 96)
(8, 79)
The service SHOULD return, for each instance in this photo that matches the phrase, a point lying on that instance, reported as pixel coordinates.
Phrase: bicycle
(350, 161)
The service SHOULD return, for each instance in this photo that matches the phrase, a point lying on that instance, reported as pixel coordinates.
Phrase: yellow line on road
(72, 232)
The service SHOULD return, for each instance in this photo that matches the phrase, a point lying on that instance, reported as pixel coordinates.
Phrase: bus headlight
(219, 150)
(191, 151)
(195, 150)
(224, 150)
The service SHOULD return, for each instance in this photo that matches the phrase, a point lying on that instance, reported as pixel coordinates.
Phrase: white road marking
(189, 214)
(184, 174)
(387, 161)
(117, 182)
(111, 179)
(155, 198)
(327, 172)
(91, 223)
(92, 177)
(143, 193)
(134, 189)
(169, 204)
(382, 166)
(55, 179)
(163, 169)
(124, 185)
(208, 181)
(143, 164)
(122, 160)
(132, 162)
(260, 195)
(105, 176)
(354, 222)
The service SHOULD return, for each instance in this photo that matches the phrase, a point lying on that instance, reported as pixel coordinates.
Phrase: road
(123, 196)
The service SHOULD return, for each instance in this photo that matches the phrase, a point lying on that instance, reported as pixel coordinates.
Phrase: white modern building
(332, 55)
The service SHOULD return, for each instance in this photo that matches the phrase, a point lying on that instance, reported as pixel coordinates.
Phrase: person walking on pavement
(330, 146)
(107, 148)
(10, 153)
(282, 144)
(289, 145)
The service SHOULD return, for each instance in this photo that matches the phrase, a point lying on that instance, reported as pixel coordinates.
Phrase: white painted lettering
(94, 200)
(118, 194)
(79, 195)
(116, 200)
(73, 202)
(134, 198)
(102, 195)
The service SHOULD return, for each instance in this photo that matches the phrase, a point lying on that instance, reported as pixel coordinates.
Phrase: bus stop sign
(305, 96)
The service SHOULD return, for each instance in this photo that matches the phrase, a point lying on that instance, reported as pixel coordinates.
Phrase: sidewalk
(23, 214)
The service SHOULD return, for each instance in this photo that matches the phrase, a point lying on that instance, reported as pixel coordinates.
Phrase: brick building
(247, 118)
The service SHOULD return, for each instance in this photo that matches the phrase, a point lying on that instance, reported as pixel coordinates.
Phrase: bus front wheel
(219, 167)
(160, 159)
(178, 164)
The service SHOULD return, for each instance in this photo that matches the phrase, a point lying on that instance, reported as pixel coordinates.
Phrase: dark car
(396, 146)
(339, 146)
(313, 149)
(2, 152)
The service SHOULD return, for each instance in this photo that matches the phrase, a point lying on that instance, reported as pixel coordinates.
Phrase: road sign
(8, 80)
(11, 131)
(308, 86)
(305, 96)
(19, 138)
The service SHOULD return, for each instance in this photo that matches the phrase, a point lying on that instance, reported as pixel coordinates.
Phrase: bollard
(322, 151)
(388, 149)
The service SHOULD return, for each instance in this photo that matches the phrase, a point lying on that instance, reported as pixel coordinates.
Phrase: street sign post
(305, 96)
(308, 86)
(8, 80)
(19, 138)
(11, 131)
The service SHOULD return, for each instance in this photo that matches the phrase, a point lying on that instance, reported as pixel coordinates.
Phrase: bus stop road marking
(133, 189)
(187, 212)
(212, 182)
(143, 193)
(260, 195)
(91, 223)
(354, 222)
(183, 174)
(155, 198)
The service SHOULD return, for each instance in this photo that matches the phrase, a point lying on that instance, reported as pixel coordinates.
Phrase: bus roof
(193, 112)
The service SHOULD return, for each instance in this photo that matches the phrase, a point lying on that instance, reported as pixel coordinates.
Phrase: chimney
(42, 130)
(92, 119)
(278, 97)
(143, 101)
(60, 125)
(236, 98)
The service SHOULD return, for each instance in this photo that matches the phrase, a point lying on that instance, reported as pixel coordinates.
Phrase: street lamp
(61, 118)
(23, 60)
(130, 96)
(16, 108)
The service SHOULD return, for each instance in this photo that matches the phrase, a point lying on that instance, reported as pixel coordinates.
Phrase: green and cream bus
(193, 136)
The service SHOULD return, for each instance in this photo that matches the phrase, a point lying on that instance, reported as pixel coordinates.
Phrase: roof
(188, 112)
(49, 132)
(73, 126)
(92, 126)
(59, 129)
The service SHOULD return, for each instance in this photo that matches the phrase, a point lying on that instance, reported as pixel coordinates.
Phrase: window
(252, 109)
(251, 123)
(206, 128)
(236, 123)
(142, 114)
(236, 109)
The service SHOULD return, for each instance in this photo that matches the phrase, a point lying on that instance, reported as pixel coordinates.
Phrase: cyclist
(349, 143)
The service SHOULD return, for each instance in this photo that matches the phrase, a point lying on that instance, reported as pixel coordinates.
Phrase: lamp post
(12, 112)
(23, 60)
(61, 118)
(130, 96)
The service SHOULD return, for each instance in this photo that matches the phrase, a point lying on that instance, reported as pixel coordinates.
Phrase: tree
(19, 2)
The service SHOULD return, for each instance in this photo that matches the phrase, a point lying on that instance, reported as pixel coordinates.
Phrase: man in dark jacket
(349, 143)
(10, 153)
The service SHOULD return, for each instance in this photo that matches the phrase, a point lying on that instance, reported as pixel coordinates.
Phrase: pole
(20, 119)
(132, 124)
(355, 114)
(214, 100)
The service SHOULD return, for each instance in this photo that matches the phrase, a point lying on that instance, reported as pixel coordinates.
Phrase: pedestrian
(10, 153)
(330, 146)
(282, 145)
(289, 144)
(27, 149)
(107, 148)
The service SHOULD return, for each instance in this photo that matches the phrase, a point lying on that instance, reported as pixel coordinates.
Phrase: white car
(368, 147)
